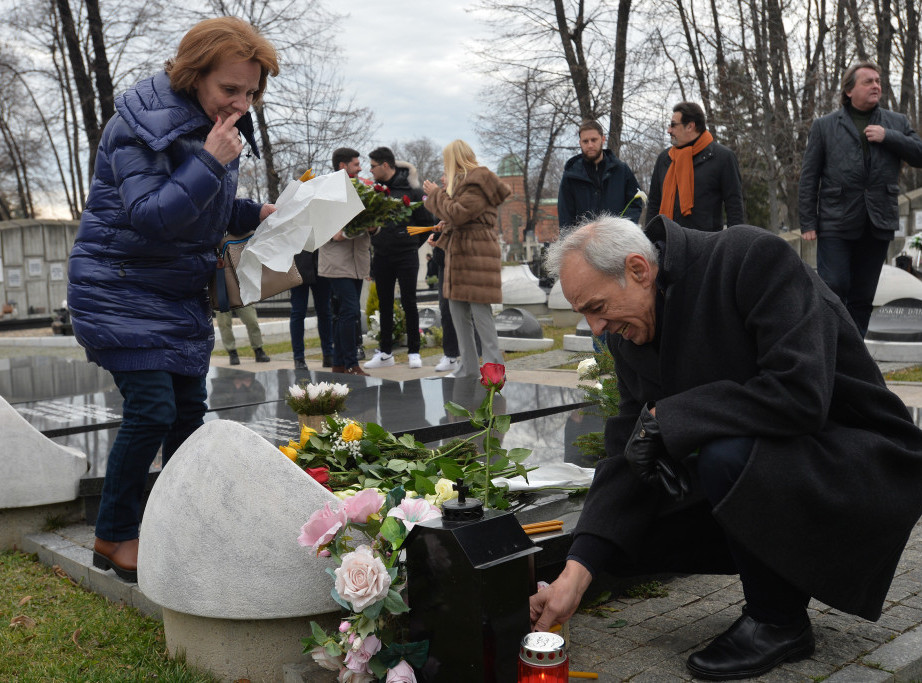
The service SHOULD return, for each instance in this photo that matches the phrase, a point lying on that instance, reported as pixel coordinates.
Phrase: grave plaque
(518, 323)
(429, 318)
(897, 321)
(583, 329)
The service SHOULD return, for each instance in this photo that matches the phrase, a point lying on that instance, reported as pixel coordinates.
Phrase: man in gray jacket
(849, 188)
(345, 263)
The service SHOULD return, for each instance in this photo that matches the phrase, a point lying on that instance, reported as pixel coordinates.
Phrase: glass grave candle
(543, 659)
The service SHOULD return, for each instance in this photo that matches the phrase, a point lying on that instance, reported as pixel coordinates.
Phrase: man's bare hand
(559, 601)
(266, 211)
(223, 142)
(808, 235)
(875, 133)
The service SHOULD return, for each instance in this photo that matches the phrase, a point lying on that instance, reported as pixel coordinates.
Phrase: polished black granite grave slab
(37, 378)
(897, 321)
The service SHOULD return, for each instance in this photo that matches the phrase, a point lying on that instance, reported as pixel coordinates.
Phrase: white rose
(443, 491)
(586, 367)
(326, 661)
(362, 579)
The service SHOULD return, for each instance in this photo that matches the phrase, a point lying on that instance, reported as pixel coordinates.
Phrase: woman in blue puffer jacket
(162, 197)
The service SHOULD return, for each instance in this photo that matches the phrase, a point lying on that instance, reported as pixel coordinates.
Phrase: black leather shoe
(327, 362)
(751, 648)
(300, 364)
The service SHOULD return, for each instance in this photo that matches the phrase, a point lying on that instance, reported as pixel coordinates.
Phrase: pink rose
(350, 676)
(325, 660)
(322, 526)
(363, 504)
(402, 673)
(413, 511)
(344, 626)
(362, 579)
(357, 658)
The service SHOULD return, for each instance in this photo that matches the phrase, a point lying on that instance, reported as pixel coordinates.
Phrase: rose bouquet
(324, 398)
(364, 535)
(380, 208)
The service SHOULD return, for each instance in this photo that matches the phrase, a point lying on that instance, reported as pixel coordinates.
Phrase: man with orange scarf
(697, 179)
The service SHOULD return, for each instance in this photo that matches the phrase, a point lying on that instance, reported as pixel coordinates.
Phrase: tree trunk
(572, 42)
(272, 176)
(616, 122)
(100, 63)
(910, 37)
(81, 80)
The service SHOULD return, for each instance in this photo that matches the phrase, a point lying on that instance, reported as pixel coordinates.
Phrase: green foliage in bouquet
(601, 387)
(381, 208)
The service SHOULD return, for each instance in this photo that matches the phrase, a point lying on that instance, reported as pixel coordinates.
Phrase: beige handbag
(225, 286)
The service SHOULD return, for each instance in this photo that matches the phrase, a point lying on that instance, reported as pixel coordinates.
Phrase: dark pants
(387, 274)
(160, 409)
(851, 268)
(321, 290)
(347, 292)
(449, 337)
(689, 540)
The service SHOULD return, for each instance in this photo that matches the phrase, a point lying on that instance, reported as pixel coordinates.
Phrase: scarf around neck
(681, 176)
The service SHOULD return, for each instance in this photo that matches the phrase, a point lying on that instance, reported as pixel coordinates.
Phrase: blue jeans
(851, 268)
(347, 292)
(321, 289)
(160, 409)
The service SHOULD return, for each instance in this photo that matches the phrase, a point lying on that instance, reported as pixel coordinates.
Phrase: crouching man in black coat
(755, 435)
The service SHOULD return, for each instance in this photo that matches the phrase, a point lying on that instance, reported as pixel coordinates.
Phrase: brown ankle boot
(356, 370)
(119, 556)
(338, 368)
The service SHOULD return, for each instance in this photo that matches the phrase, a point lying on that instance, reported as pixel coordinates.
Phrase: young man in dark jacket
(849, 191)
(596, 181)
(697, 179)
(395, 257)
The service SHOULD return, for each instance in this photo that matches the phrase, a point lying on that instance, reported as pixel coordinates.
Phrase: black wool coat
(752, 343)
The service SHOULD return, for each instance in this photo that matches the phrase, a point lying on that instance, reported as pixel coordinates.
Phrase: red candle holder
(543, 659)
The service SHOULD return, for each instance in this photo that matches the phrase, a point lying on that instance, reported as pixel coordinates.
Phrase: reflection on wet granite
(36, 378)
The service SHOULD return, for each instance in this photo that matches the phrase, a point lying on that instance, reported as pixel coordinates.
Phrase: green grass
(907, 375)
(53, 630)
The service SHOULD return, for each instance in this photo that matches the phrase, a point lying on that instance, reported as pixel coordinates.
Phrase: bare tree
(424, 154)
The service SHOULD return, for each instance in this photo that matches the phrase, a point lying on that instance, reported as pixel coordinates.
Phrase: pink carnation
(362, 505)
(413, 511)
(322, 526)
(357, 659)
(362, 579)
(402, 673)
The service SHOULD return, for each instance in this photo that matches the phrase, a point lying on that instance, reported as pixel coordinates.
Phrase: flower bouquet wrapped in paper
(380, 208)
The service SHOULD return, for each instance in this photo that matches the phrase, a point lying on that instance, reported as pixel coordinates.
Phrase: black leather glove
(646, 454)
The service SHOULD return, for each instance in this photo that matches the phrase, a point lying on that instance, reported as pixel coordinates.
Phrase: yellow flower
(352, 432)
(290, 452)
(443, 492)
(306, 434)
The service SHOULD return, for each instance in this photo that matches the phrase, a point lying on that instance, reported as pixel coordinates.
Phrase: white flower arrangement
(324, 398)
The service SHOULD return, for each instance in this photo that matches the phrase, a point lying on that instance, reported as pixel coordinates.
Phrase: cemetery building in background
(33, 265)
(517, 243)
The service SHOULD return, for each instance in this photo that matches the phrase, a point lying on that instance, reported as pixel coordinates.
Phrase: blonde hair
(459, 160)
(210, 42)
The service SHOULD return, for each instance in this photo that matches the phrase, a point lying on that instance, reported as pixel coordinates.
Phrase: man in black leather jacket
(849, 190)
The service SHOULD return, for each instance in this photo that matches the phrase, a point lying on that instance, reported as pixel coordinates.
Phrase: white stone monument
(219, 553)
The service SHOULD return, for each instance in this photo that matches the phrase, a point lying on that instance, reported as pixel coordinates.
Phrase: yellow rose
(306, 434)
(352, 432)
(290, 452)
(443, 491)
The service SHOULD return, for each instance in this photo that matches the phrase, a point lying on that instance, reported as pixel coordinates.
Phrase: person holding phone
(163, 195)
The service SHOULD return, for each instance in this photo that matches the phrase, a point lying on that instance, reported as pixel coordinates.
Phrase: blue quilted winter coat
(158, 206)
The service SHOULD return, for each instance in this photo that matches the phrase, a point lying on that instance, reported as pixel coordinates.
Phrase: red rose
(387, 190)
(320, 474)
(493, 375)
(406, 200)
(379, 187)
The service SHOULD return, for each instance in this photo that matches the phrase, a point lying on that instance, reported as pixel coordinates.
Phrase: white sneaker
(448, 363)
(416, 360)
(380, 360)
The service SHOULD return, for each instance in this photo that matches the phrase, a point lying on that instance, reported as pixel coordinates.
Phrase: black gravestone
(518, 323)
(429, 318)
(897, 321)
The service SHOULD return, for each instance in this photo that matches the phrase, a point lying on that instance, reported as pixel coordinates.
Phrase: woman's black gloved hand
(646, 454)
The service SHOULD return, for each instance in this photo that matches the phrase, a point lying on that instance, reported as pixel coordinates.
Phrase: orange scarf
(681, 176)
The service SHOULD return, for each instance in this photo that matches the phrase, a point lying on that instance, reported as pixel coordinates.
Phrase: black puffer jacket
(718, 188)
(838, 189)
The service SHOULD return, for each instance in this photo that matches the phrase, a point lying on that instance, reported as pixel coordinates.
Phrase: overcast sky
(413, 68)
